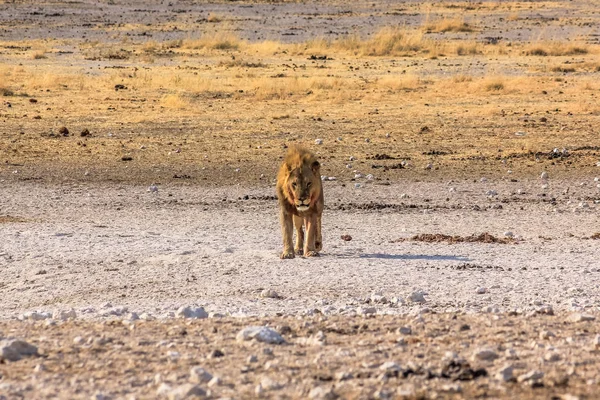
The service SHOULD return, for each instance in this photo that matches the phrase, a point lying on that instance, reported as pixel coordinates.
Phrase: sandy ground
(84, 245)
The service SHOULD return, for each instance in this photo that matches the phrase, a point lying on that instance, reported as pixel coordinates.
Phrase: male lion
(300, 195)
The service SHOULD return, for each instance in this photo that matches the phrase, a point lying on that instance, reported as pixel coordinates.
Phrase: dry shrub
(399, 82)
(465, 49)
(173, 101)
(4, 91)
(448, 25)
(214, 18)
(493, 84)
(562, 69)
(220, 40)
(39, 55)
(555, 49)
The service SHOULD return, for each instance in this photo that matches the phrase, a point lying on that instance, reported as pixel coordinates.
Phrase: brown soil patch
(438, 238)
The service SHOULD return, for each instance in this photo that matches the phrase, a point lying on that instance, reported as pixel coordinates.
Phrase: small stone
(269, 384)
(596, 342)
(390, 366)
(215, 381)
(344, 376)
(318, 141)
(481, 290)
(370, 177)
(533, 375)
(491, 193)
(39, 368)
(321, 392)
(452, 388)
(366, 310)
(428, 166)
(216, 353)
(199, 375)
(378, 298)
(269, 293)
(546, 334)
(485, 354)
(185, 391)
(505, 374)
(509, 234)
(405, 330)
(251, 359)
(189, 312)
(346, 238)
(153, 189)
(78, 340)
(552, 356)
(261, 334)
(35, 316)
(15, 349)
(544, 175)
(64, 131)
(63, 315)
(581, 317)
(417, 297)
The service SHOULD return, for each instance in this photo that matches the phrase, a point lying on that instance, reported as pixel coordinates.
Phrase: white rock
(261, 334)
(491, 193)
(508, 234)
(15, 349)
(596, 342)
(485, 354)
(366, 310)
(215, 381)
(153, 189)
(370, 177)
(581, 317)
(35, 316)
(358, 176)
(481, 290)
(417, 296)
(452, 388)
(189, 312)
(390, 366)
(269, 293)
(185, 391)
(200, 375)
(269, 384)
(78, 340)
(544, 175)
(505, 374)
(322, 392)
(546, 334)
(533, 375)
(318, 141)
(344, 376)
(483, 180)
(428, 166)
(63, 315)
(378, 298)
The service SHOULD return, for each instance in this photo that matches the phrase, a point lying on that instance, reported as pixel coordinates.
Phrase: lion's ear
(315, 166)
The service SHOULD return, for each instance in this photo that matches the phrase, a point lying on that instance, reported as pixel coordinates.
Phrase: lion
(300, 196)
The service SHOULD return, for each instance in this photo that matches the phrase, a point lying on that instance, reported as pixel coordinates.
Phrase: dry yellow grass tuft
(448, 25)
(220, 40)
(556, 49)
(214, 18)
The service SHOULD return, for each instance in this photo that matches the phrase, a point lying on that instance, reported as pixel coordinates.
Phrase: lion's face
(303, 186)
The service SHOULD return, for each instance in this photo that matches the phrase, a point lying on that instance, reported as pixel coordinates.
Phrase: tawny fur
(299, 184)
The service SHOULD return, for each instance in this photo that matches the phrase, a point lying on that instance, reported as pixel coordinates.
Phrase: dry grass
(220, 40)
(448, 25)
(556, 49)
(39, 55)
(214, 18)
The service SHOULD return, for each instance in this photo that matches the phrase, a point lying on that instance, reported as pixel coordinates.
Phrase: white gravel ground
(84, 246)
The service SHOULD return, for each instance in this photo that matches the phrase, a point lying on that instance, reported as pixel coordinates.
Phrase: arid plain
(139, 143)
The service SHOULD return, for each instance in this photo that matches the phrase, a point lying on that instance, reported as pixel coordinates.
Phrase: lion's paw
(287, 255)
(299, 251)
(319, 246)
(311, 253)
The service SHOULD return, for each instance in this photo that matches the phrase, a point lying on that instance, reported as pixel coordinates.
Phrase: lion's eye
(294, 185)
(308, 184)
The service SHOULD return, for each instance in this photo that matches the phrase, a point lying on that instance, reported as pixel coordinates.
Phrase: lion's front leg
(319, 239)
(298, 222)
(287, 227)
(311, 232)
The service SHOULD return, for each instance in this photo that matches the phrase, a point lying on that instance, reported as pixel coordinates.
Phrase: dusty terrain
(138, 149)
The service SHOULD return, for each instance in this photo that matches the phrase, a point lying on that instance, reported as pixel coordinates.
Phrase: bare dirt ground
(467, 274)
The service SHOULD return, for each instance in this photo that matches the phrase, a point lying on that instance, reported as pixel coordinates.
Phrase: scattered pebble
(544, 175)
(346, 238)
(153, 189)
(199, 375)
(261, 334)
(533, 375)
(63, 315)
(189, 312)
(481, 290)
(581, 317)
(269, 293)
(509, 234)
(366, 310)
(185, 391)
(318, 141)
(505, 374)
(417, 297)
(485, 354)
(322, 392)
(16, 349)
